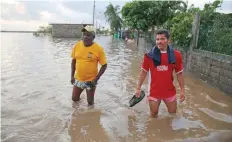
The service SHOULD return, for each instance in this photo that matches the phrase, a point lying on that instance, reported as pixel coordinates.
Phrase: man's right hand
(137, 93)
(72, 80)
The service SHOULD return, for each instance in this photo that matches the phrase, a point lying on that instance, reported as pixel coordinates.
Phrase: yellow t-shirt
(87, 59)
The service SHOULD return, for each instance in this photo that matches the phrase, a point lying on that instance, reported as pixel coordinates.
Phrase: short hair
(163, 31)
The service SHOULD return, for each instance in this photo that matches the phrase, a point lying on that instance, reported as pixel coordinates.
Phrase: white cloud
(12, 7)
(20, 8)
(45, 15)
(71, 16)
(198, 3)
(21, 25)
(9, 1)
(7, 6)
(63, 15)
(64, 10)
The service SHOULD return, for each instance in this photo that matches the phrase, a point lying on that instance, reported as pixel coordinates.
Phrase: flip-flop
(134, 100)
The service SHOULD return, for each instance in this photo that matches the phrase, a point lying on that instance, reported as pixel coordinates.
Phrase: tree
(208, 17)
(43, 30)
(219, 35)
(143, 15)
(181, 26)
(112, 15)
(215, 31)
(134, 15)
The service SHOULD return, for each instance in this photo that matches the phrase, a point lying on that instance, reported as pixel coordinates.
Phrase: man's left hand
(94, 82)
(182, 97)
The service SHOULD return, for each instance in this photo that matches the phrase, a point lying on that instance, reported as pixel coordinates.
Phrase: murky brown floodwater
(36, 99)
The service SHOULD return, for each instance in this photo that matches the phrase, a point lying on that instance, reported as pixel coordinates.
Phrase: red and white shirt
(160, 78)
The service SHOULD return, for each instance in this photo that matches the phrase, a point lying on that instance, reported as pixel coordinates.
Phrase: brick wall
(214, 68)
(67, 30)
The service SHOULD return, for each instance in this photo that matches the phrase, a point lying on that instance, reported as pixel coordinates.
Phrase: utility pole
(96, 24)
(194, 40)
(93, 11)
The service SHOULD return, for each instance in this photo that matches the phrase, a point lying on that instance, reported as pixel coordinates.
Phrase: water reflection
(86, 126)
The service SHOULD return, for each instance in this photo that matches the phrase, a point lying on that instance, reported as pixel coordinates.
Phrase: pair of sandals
(134, 100)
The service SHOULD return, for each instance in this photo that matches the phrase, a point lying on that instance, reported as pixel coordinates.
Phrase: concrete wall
(67, 30)
(214, 68)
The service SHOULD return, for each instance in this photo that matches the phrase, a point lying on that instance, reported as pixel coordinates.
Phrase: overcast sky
(29, 15)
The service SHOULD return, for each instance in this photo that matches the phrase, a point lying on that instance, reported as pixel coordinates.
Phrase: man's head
(88, 35)
(162, 39)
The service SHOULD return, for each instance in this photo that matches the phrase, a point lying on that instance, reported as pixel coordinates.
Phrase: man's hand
(94, 82)
(137, 93)
(142, 77)
(182, 97)
(72, 80)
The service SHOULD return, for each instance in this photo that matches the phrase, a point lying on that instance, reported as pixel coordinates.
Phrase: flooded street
(36, 100)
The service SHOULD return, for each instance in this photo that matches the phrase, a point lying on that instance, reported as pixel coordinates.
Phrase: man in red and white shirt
(159, 64)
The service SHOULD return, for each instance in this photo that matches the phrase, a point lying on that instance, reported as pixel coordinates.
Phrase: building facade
(67, 30)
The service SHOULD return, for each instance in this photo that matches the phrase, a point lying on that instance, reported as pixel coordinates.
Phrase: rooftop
(69, 24)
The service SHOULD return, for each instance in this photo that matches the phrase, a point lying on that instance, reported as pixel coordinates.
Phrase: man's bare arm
(180, 79)
(142, 77)
(73, 68)
(102, 70)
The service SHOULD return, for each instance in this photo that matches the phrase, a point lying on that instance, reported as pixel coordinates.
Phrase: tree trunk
(157, 25)
(153, 35)
(153, 29)
(137, 38)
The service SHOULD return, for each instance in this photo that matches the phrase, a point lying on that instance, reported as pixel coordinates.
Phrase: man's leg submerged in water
(76, 93)
(154, 104)
(90, 96)
(154, 107)
(171, 104)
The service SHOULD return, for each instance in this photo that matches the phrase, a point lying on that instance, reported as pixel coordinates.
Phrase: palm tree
(112, 15)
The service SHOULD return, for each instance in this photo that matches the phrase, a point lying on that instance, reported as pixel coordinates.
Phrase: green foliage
(135, 15)
(142, 15)
(208, 16)
(215, 31)
(130, 15)
(217, 37)
(42, 31)
(181, 27)
(112, 15)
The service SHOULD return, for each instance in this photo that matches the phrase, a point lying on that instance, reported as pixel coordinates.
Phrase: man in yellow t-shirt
(86, 55)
